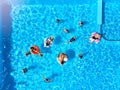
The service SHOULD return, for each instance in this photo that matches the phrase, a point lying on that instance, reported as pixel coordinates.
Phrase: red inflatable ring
(34, 50)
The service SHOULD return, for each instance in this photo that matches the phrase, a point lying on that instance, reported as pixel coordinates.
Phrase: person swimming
(48, 41)
(80, 56)
(81, 23)
(66, 30)
(34, 50)
(72, 39)
(46, 79)
(24, 70)
(57, 20)
(62, 58)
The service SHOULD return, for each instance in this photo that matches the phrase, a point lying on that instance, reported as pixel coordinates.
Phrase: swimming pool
(98, 69)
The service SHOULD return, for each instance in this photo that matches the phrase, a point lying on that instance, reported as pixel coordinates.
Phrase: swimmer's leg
(27, 53)
(40, 54)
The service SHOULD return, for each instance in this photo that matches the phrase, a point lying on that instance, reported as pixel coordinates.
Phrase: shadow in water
(83, 54)
(72, 30)
(85, 23)
(22, 82)
(44, 49)
(9, 82)
(54, 75)
(31, 67)
(70, 53)
(58, 40)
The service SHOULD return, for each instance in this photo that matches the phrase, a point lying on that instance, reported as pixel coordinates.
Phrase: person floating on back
(48, 41)
(95, 37)
(34, 50)
(46, 79)
(72, 39)
(62, 58)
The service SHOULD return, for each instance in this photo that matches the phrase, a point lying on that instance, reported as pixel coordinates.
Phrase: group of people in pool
(62, 57)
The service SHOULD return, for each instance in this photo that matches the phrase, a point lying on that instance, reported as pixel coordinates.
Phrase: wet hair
(81, 23)
(51, 38)
(46, 79)
(24, 70)
(80, 56)
(32, 48)
(93, 37)
(57, 20)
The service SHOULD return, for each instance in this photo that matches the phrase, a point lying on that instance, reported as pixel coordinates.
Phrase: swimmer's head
(24, 70)
(80, 23)
(74, 37)
(32, 48)
(51, 38)
(66, 30)
(57, 20)
(80, 55)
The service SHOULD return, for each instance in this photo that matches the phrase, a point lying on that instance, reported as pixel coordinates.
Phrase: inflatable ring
(34, 50)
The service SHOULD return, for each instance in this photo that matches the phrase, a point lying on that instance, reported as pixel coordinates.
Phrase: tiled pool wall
(6, 28)
(0, 49)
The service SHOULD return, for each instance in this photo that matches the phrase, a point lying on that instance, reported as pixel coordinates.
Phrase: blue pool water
(99, 69)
